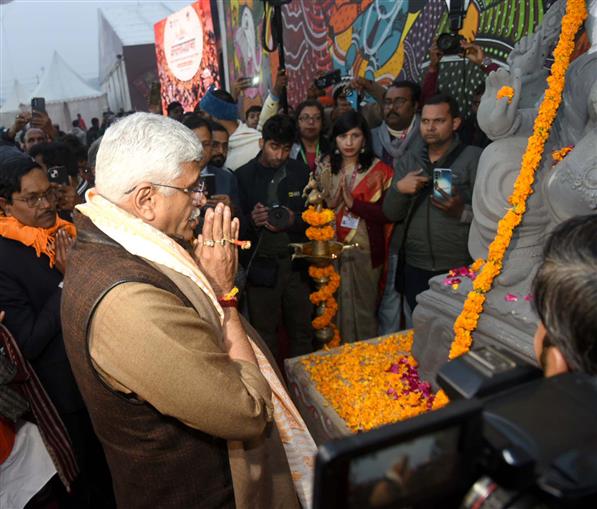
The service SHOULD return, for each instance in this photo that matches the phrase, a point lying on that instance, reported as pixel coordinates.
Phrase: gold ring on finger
(209, 243)
(221, 242)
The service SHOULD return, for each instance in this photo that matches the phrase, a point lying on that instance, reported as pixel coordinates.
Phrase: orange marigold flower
(314, 218)
(440, 400)
(558, 155)
(505, 92)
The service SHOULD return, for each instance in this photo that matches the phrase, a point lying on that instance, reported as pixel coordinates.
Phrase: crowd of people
(156, 341)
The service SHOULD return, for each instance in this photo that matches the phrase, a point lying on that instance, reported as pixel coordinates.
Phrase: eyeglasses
(32, 201)
(198, 188)
(309, 118)
(399, 101)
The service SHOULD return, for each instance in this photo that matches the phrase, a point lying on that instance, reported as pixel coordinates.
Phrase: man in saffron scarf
(183, 395)
(33, 245)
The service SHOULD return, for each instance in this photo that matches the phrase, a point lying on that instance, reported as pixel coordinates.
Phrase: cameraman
(270, 188)
(565, 297)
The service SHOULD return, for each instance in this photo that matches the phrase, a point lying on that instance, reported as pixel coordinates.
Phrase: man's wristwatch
(486, 62)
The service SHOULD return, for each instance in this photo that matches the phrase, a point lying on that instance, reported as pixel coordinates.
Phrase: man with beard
(400, 128)
(271, 187)
(432, 232)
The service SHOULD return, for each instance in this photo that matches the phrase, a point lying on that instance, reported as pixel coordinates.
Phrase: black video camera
(518, 441)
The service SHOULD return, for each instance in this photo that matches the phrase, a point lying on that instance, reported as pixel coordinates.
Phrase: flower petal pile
(372, 384)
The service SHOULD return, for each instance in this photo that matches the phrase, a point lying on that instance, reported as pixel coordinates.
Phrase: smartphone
(442, 179)
(331, 78)
(58, 175)
(38, 104)
(353, 98)
(210, 184)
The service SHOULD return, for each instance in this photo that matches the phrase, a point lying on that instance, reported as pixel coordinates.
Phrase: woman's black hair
(343, 124)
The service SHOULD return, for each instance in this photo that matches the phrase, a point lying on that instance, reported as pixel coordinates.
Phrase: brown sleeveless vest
(155, 460)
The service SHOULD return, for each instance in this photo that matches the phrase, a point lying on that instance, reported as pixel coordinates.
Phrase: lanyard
(304, 156)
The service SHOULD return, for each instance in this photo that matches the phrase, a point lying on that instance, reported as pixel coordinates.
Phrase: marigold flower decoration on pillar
(320, 229)
(468, 319)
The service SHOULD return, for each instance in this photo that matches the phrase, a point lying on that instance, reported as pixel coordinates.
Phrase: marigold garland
(319, 231)
(507, 92)
(466, 322)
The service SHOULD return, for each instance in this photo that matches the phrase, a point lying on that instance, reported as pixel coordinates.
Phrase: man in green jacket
(433, 224)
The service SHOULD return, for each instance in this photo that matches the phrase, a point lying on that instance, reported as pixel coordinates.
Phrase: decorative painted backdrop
(380, 39)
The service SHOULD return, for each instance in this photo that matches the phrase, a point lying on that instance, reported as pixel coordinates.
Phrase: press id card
(349, 221)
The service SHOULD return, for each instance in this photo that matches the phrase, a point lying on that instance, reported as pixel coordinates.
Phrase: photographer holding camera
(270, 188)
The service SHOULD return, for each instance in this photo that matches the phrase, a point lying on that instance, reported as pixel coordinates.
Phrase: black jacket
(30, 295)
(253, 181)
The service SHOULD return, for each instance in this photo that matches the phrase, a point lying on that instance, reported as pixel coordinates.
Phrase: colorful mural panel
(378, 39)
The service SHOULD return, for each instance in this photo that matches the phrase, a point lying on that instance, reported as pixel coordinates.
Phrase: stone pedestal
(507, 324)
(321, 419)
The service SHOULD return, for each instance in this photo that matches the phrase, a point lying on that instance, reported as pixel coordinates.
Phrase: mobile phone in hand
(38, 104)
(210, 184)
(58, 175)
(442, 179)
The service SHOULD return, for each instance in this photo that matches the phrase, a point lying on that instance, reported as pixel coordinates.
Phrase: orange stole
(41, 239)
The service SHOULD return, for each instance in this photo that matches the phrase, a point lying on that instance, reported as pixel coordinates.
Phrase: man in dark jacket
(436, 224)
(33, 246)
(270, 189)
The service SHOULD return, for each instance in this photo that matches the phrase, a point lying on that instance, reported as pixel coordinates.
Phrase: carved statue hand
(496, 116)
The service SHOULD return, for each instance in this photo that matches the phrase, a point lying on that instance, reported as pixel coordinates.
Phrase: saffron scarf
(143, 240)
(43, 240)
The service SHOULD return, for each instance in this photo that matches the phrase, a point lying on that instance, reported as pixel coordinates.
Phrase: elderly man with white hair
(183, 395)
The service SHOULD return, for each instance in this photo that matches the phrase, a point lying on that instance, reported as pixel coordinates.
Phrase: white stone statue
(560, 191)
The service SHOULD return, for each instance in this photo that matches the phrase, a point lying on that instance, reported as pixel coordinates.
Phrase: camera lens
(449, 44)
(278, 217)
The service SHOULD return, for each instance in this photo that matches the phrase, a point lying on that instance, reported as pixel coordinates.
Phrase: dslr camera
(510, 438)
(449, 42)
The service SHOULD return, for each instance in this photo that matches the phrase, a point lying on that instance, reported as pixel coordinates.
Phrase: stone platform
(319, 416)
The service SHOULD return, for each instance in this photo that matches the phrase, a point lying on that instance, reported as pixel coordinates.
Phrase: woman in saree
(358, 183)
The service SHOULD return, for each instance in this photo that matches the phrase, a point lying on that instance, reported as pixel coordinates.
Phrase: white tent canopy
(17, 99)
(123, 26)
(67, 94)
